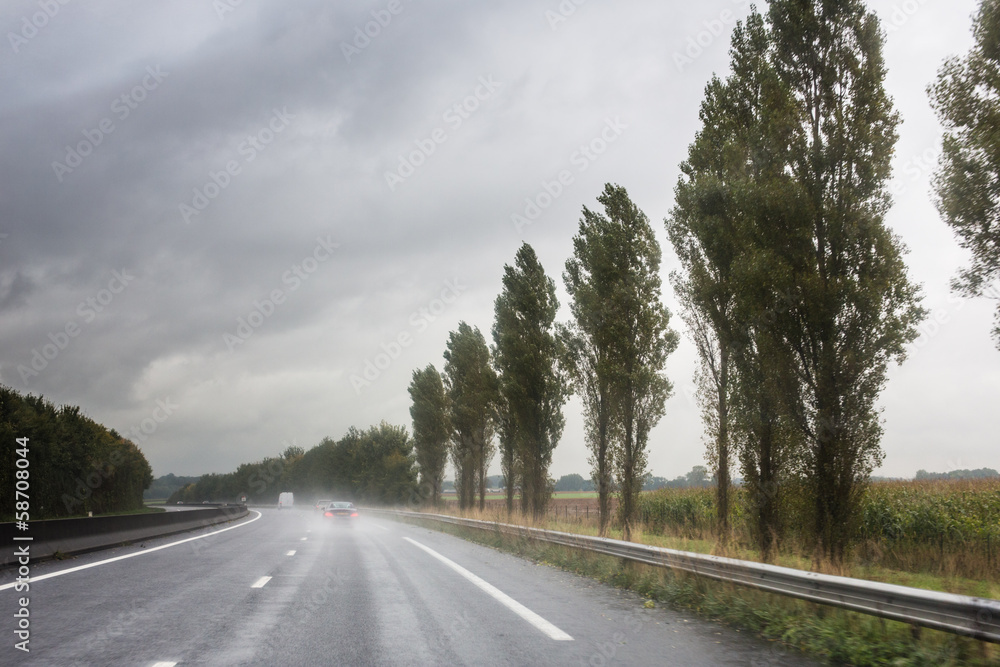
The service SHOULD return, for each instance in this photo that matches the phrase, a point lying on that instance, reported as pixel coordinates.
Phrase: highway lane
(377, 593)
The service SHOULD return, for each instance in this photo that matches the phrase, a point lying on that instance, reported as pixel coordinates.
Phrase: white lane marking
(377, 525)
(291, 553)
(260, 583)
(132, 555)
(164, 664)
(531, 617)
(304, 539)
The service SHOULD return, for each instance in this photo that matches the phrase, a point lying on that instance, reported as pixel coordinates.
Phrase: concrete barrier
(74, 536)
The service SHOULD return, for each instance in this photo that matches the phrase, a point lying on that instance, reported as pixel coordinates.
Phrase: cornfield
(942, 527)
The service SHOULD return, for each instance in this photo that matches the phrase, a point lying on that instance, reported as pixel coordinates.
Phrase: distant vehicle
(321, 504)
(340, 511)
(286, 499)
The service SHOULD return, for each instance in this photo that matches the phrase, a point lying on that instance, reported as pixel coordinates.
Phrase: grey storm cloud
(208, 149)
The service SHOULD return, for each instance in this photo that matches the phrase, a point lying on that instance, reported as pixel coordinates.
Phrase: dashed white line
(164, 664)
(260, 583)
(291, 553)
(377, 525)
(531, 617)
(304, 539)
(132, 555)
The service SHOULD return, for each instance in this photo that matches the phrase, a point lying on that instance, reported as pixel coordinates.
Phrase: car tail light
(328, 514)
(354, 513)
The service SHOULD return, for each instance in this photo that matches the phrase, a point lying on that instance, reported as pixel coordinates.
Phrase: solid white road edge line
(132, 555)
(260, 583)
(531, 617)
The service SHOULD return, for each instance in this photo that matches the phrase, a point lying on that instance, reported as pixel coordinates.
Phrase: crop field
(564, 495)
(947, 528)
(943, 535)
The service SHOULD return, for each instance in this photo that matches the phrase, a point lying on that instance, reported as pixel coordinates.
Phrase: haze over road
(283, 588)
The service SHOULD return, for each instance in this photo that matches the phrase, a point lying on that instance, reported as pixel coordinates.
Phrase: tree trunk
(722, 446)
(603, 474)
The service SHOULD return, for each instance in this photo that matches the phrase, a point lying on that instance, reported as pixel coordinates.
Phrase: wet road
(281, 587)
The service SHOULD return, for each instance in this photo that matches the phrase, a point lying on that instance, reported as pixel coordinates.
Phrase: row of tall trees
(75, 465)
(612, 354)
(794, 289)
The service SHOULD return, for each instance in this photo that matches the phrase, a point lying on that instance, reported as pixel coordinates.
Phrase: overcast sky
(214, 217)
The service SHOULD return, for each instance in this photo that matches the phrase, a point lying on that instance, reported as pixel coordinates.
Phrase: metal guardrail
(959, 614)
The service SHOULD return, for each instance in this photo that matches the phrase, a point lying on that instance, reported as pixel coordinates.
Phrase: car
(321, 504)
(340, 511)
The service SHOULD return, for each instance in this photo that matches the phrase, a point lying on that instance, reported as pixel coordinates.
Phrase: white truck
(286, 499)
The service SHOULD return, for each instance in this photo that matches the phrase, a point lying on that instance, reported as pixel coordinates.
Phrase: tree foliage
(429, 411)
(590, 278)
(618, 343)
(852, 307)
(75, 464)
(966, 97)
(781, 206)
(472, 389)
(373, 466)
(533, 390)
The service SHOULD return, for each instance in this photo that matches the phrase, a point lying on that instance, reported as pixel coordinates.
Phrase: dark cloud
(278, 143)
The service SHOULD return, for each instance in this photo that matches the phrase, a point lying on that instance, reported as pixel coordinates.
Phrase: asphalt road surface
(283, 588)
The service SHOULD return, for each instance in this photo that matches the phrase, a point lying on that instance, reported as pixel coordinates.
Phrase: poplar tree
(472, 387)
(851, 307)
(967, 183)
(431, 429)
(614, 279)
(532, 388)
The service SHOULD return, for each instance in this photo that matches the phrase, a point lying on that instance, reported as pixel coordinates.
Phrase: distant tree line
(165, 485)
(75, 464)
(980, 473)
(376, 466)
